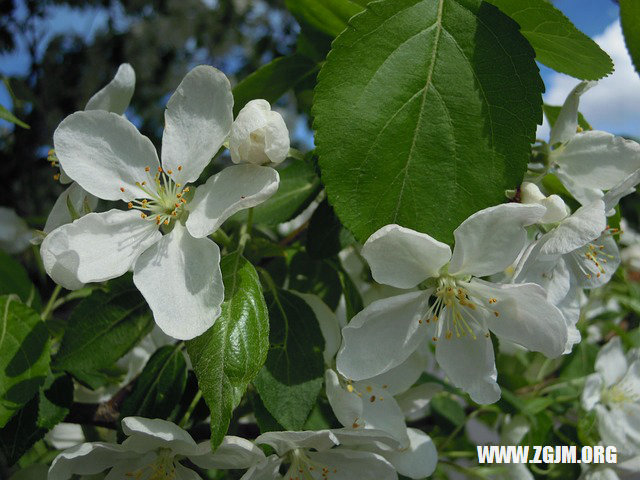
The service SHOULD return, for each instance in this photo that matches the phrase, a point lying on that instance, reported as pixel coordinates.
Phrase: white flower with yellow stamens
(178, 273)
(465, 309)
(153, 450)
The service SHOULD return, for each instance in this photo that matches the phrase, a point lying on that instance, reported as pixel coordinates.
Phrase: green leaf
(10, 117)
(24, 355)
(291, 378)
(231, 353)
(159, 387)
(323, 235)
(316, 277)
(352, 297)
(102, 329)
(272, 80)
(588, 428)
(14, 279)
(552, 112)
(446, 406)
(630, 20)
(557, 41)
(55, 400)
(327, 16)
(581, 361)
(424, 113)
(21, 432)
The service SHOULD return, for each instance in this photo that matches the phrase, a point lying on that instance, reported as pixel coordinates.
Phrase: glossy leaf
(424, 113)
(230, 354)
(14, 279)
(630, 20)
(327, 16)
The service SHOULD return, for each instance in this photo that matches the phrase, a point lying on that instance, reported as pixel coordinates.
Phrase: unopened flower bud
(557, 210)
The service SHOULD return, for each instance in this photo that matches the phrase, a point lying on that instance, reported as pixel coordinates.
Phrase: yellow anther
(179, 168)
(169, 172)
(130, 205)
(56, 177)
(147, 169)
(497, 314)
(369, 389)
(122, 189)
(143, 215)
(350, 388)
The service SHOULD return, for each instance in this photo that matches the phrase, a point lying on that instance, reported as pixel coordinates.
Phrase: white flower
(557, 210)
(465, 309)
(178, 273)
(153, 449)
(258, 135)
(15, 234)
(614, 392)
(592, 161)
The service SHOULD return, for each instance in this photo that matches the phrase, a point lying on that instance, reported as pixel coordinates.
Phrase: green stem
(574, 382)
(295, 153)
(245, 232)
(50, 307)
(192, 407)
(468, 471)
(219, 236)
(75, 295)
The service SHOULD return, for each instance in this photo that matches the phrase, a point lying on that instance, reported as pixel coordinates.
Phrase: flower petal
(622, 189)
(181, 280)
(490, 240)
(184, 473)
(346, 464)
(197, 121)
(417, 461)
(116, 95)
(596, 159)
(585, 225)
(522, 314)
(87, 459)
(266, 470)
(583, 194)
(383, 335)
(630, 383)
(470, 365)
(105, 154)
(283, 442)
(329, 325)
(233, 189)
(399, 379)
(594, 264)
(233, 453)
(147, 434)
(611, 362)
(566, 124)
(592, 392)
(402, 257)
(414, 402)
(80, 200)
(96, 247)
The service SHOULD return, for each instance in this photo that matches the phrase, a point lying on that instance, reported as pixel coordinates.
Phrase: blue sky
(593, 17)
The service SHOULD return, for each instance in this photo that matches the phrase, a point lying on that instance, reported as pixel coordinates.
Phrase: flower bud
(258, 135)
(557, 210)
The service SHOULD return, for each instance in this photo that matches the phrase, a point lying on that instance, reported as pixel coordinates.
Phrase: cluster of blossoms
(518, 272)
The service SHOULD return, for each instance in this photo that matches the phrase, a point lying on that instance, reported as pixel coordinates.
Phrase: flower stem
(192, 407)
(245, 232)
(50, 307)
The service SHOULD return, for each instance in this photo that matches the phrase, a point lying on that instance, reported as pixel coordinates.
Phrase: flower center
(455, 312)
(619, 394)
(167, 197)
(595, 255)
(52, 158)
(303, 468)
(162, 468)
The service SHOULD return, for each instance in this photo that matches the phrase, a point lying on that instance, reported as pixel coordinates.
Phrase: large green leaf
(160, 386)
(102, 329)
(424, 114)
(327, 16)
(557, 42)
(14, 279)
(24, 355)
(316, 277)
(291, 378)
(230, 354)
(630, 20)
(272, 80)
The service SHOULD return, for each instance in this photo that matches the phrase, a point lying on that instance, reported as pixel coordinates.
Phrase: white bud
(557, 210)
(258, 135)
(530, 193)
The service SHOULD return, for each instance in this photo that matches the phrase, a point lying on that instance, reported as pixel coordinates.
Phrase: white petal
(346, 464)
(124, 469)
(592, 392)
(414, 402)
(184, 473)
(365, 438)
(570, 308)
(611, 362)
(329, 325)
(566, 124)
(622, 189)
(402, 257)
(557, 210)
(612, 426)
(630, 383)
(524, 316)
(470, 365)
(181, 280)
(116, 95)
(78, 197)
(417, 461)
(490, 240)
(584, 195)
(345, 405)
(266, 470)
(585, 225)
(105, 154)
(197, 122)
(276, 138)
(594, 264)
(15, 234)
(283, 442)
(596, 159)
(65, 435)
(233, 453)
(233, 189)
(399, 379)
(548, 271)
(86, 459)
(96, 247)
(383, 335)
(146, 434)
